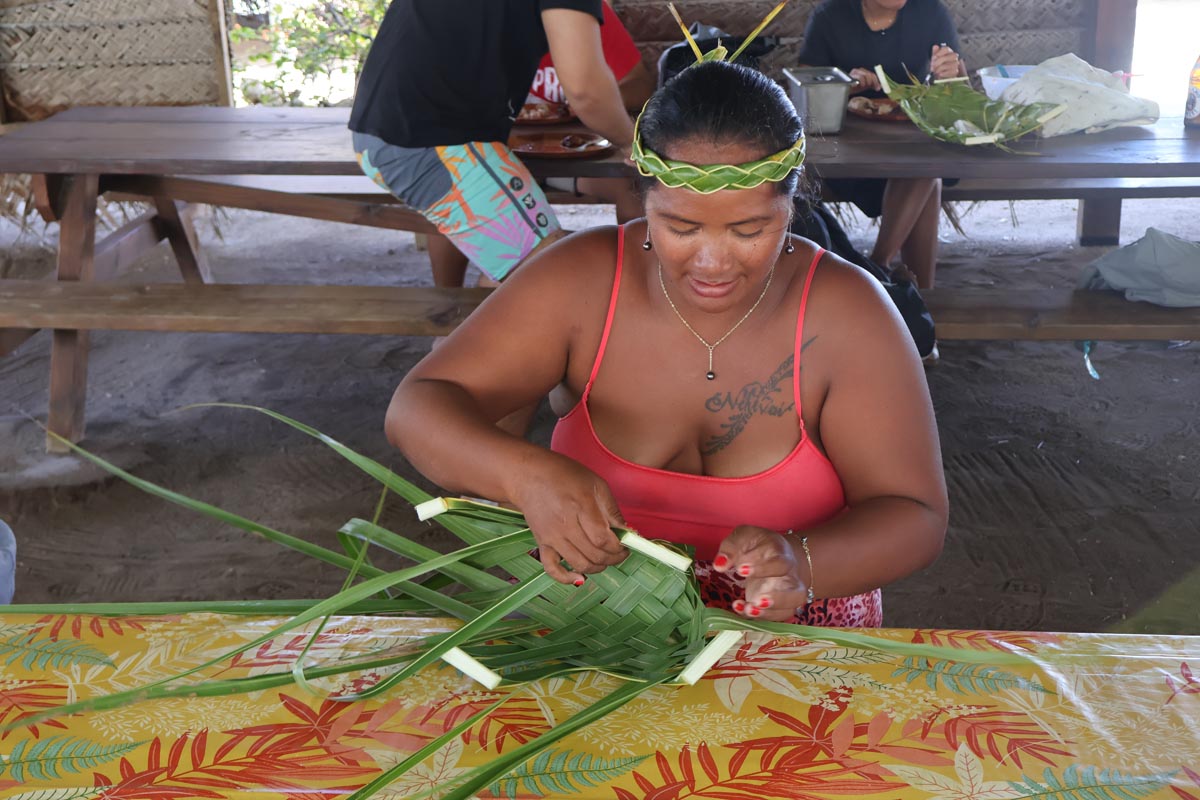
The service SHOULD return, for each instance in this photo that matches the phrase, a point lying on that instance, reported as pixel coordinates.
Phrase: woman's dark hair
(715, 101)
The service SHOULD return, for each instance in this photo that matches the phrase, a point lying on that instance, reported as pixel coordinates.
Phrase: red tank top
(799, 492)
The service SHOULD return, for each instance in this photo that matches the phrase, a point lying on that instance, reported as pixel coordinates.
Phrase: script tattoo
(753, 398)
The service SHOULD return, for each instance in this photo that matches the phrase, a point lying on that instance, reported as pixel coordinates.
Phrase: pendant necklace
(710, 347)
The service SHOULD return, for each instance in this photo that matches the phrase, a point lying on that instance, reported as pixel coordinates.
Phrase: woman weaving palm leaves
(719, 382)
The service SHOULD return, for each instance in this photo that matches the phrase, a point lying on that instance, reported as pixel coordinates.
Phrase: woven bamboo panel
(1031, 47)
(55, 54)
(1017, 16)
(992, 32)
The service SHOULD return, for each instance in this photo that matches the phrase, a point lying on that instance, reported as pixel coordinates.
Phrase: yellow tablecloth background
(1100, 716)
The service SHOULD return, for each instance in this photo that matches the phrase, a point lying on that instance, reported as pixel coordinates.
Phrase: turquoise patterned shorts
(478, 194)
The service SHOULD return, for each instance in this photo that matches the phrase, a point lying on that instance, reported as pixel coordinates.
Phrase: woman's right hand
(868, 81)
(571, 512)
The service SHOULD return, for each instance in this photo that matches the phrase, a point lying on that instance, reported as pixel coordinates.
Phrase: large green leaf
(48, 759)
(558, 773)
(1088, 783)
(952, 111)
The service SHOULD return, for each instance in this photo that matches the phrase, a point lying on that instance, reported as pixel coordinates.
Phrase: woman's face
(716, 249)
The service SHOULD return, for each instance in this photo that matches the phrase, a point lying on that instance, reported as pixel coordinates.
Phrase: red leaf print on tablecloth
(1005, 736)
(203, 776)
(983, 640)
(273, 654)
(831, 733)
(326, 728)
(520, 719)
(1189, 686)
(822, 756)
(56, 626)
(782, 779)
(27, 699)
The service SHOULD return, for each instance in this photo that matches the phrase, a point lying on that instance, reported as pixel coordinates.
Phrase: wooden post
(181, 233)
(69, 349)
(220, 31)
(1099, 220)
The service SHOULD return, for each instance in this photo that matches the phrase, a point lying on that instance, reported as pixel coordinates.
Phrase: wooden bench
(976, 314)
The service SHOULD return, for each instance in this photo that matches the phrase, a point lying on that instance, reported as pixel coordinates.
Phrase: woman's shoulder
(571, 272)
(845, 294)
(578, 262)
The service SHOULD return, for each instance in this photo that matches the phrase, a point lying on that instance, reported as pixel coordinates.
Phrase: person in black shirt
(437, 98)
(905, 37)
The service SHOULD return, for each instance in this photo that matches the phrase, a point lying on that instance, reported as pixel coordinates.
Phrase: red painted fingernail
(754, 612)
(738, 605)
(721, 562)
(579, 581)
(765, 602)
(744, 569)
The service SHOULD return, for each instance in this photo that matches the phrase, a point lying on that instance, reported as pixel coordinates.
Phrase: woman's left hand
(774, 584)
(944, 62)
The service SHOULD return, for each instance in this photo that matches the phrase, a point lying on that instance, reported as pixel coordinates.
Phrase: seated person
(635, 83)
(905, 37)
(439, 90)
(721, 383)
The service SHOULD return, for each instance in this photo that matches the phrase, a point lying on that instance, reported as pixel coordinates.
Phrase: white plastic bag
(1095, 100)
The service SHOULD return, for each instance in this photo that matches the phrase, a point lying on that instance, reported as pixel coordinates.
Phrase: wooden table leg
(181, 233)
(1099, 222)
(69, 349)
(47, 193)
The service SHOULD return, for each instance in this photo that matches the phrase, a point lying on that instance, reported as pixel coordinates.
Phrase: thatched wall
(992, 31)
(55, 54)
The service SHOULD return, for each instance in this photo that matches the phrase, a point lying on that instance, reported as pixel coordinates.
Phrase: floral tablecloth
(1100, 716)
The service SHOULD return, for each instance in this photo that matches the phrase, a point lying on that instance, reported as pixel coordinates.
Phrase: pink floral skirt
(720, 590)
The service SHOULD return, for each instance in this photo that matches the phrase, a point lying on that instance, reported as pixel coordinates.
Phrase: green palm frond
(964, 678)
(49, 759)
(1088, 783)
(559, 773)
(641, 621)
(951, 111)
(43, 654)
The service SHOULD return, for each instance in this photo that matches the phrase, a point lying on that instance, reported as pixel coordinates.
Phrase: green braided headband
(715, 177)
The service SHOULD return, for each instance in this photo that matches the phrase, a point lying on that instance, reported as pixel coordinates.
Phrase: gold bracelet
(808, 558)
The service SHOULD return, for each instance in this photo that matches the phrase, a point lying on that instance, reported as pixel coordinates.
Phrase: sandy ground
(1075, 502)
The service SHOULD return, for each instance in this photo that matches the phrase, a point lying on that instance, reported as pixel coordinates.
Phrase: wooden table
(315, 141)
(195, 154)
(1101, 717)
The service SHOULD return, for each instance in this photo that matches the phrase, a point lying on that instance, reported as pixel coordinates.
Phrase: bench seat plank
(1050, 315)
(363, 189)
(986, 314)
(236, 308)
